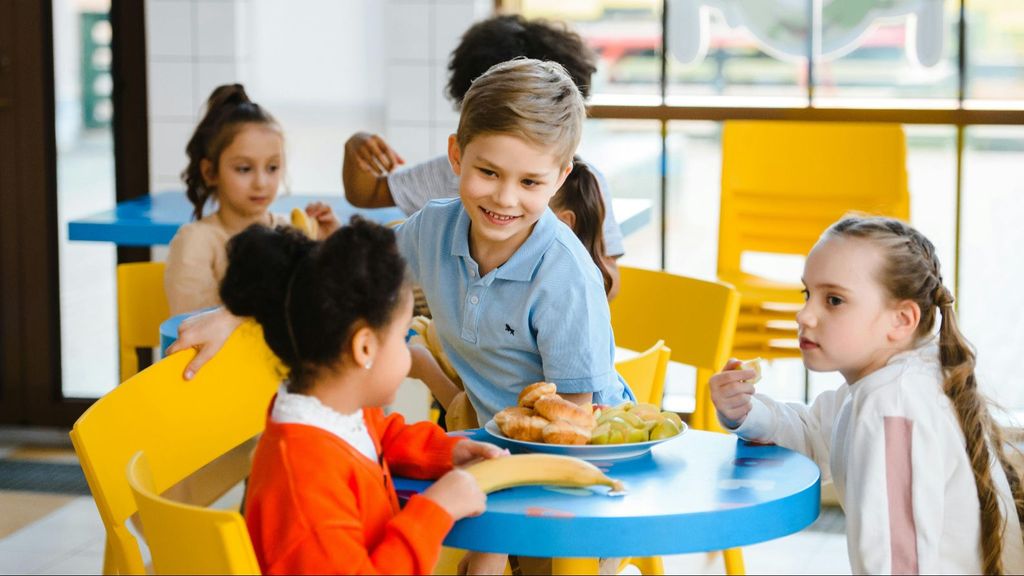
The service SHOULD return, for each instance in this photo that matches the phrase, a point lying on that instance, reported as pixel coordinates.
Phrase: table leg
(734, 561)
(568, 566)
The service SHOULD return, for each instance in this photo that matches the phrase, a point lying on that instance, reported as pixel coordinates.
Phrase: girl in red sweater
(320, 497)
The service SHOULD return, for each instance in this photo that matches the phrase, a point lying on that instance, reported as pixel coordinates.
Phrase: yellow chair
(696, 319)
(189, 424)
(188, 539)
(783, 184)
(141, 307)
(645, 373)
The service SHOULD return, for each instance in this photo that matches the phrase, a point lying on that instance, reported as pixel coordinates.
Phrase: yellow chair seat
(187, 539)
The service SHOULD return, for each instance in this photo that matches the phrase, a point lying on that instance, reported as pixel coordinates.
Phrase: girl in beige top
(236, 159)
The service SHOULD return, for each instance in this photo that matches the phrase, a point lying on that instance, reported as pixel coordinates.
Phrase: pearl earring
(368, 365)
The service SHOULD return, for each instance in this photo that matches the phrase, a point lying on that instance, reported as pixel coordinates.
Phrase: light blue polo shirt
(542, 315)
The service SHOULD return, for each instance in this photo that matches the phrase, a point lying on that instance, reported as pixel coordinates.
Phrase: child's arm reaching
(757, 417)
(364, 172)
(426, 368)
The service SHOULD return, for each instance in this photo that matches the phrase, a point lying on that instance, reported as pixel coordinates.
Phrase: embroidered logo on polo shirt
(510, 330)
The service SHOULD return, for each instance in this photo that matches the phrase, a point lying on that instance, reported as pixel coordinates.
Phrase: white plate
(586, 451)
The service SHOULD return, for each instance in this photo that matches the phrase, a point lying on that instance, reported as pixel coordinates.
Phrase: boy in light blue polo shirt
(514, 295)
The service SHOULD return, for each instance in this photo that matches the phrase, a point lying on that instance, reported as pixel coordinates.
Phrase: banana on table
(540, 470)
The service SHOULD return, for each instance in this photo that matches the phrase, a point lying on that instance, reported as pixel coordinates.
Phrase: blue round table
(702, 491)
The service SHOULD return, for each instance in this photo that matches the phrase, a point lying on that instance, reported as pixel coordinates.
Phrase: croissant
(556, 408)
(563, 432)
(529, 395)
(521, 423)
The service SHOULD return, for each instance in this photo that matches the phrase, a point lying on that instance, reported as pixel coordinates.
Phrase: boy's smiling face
(505, 183)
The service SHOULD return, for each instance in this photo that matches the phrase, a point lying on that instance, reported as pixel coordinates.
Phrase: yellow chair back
(187, 423)
(186, 539)
(141, 307)
(696, 319)
(645, 373)
(783, 183)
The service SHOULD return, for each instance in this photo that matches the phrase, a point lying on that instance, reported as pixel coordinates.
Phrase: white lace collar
(308, 410)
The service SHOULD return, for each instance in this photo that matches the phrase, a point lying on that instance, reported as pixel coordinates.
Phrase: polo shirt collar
(524, 262)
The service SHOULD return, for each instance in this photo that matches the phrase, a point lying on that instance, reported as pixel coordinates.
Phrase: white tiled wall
(192, 47)
(421, 34)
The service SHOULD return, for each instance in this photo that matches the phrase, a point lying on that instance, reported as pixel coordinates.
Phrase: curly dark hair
(503, 38)
(307, 295)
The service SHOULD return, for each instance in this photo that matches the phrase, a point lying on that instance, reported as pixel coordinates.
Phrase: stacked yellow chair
(783, 184)
(696, 321)
(185, 425)
(141, 307)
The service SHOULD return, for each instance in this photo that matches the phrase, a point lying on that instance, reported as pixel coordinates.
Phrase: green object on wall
(97, 84)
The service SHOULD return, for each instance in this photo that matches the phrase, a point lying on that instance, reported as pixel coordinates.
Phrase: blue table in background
(703, 491)
(153, 220)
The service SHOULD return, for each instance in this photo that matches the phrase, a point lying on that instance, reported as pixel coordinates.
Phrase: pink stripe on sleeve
(898, 478)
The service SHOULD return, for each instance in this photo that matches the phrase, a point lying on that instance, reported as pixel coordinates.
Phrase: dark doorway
(30, 342)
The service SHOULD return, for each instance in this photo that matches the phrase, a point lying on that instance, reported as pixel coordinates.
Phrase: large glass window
(625, 34)
(995, 41)
(992, 317)
(846, 60)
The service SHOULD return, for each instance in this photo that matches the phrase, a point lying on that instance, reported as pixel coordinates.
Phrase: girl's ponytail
(227, 108)
(581, 193)
(982, 433)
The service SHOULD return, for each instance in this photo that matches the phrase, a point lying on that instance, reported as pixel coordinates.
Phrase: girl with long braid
(920, 467)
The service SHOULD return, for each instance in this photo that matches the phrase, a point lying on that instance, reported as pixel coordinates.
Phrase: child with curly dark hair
(320, 497)
(370, 171)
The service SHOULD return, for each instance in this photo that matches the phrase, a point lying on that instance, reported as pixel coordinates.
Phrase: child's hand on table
(205, 332)
(458, 493)
(731, 392)
(469, 451)
(325, 218)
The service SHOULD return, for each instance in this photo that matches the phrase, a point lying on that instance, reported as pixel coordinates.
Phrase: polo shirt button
(474, 300)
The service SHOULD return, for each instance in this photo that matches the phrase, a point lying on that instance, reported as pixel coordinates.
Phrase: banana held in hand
(754, 365)
(303, 223)
(539, 470)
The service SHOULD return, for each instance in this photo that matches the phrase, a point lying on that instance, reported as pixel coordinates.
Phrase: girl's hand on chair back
(207, 333)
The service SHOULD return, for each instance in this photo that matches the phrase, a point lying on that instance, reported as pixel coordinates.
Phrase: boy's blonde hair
(531, 99)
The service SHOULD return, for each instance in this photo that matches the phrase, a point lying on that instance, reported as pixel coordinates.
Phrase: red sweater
(317, 505)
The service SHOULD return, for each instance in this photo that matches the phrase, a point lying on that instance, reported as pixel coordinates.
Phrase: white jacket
(892, 444)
